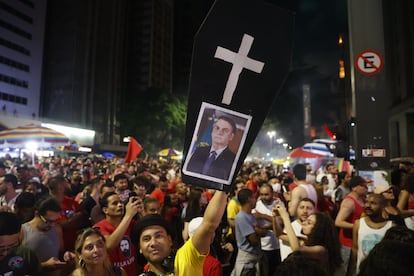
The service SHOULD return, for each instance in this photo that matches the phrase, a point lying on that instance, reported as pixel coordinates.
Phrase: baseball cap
(22, 167)
(358, 180)
(149, 220)
(34, 179)
(193, 225)
(381, 188)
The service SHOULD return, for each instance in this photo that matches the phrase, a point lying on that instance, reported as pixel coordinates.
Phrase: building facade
(22, 24)
(150, 46)
(84, 65)
(399, 45)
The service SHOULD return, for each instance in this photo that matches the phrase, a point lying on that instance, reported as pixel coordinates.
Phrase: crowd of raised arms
(102, 216)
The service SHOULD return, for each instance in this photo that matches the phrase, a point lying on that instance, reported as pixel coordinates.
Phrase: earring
(81, 263)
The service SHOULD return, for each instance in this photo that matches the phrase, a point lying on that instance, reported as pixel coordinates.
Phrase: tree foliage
(156, 119)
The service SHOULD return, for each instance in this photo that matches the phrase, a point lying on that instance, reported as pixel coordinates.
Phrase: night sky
(315, 61)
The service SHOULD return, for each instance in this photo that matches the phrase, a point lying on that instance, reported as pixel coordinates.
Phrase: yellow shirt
(233, 208)
(188, 261)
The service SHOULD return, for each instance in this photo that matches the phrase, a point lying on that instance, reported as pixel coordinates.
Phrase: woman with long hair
(197, 201)
(92, 256)
(171, 212)
(321, 242)
(406, 200)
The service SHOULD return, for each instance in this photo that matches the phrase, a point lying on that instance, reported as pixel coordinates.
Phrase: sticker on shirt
(16, 262)
(125, 246)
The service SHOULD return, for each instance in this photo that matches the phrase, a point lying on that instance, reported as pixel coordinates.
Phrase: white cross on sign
(240, 60)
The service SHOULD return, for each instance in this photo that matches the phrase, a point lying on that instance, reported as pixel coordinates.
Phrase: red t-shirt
(345, 235)
(292, 186)
(252, 185)
(69, 208)
(123, 255)
(212, 267)
(208, 195)
(172, 214)
(158, 195)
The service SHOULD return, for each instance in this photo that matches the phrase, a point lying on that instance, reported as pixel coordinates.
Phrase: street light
(32, 146)
(271, 134)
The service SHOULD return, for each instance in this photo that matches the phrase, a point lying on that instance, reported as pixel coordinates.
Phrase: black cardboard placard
(241, 58)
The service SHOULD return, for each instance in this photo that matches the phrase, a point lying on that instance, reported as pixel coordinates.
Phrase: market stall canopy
(408, 159)
(44, 137)
(169, 152)
(318, 148)
(108, 155)
(301, 153)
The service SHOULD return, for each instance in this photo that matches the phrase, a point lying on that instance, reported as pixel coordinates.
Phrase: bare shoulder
(76, 272)
(348, 203)
(299, 191)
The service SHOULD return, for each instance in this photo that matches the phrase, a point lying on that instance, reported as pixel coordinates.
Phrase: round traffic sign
(369, 62)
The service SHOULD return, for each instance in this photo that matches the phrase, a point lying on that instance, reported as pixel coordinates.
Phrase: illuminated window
(341, 69)
(340, 40)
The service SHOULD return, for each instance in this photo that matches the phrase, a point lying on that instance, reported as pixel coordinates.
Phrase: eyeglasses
(48, 221)
(4, 250)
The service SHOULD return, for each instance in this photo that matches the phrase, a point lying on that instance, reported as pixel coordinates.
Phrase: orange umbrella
(301, 153)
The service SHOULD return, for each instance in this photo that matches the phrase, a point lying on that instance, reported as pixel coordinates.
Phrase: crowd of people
(99, 216)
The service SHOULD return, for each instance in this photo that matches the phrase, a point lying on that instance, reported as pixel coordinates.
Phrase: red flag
(329, 132)
(134, 148)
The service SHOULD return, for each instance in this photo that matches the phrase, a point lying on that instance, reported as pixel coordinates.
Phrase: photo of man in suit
(215, 160)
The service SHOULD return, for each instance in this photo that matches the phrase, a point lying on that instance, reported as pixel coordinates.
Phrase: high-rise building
(188, 17)
(84, 65)
(22, 24)
(399, 45)
(150, 46)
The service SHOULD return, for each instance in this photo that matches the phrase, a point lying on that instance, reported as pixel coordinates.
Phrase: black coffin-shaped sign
(241, 58)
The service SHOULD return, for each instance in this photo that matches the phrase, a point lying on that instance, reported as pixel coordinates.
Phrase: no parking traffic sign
(369, 62)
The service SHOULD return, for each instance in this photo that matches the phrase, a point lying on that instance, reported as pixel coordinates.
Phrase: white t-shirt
(368, 237)
(331, 186)
(285, 248)
(11, 202)
(268, 242)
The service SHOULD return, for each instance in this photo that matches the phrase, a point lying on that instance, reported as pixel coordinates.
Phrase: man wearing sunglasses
(43, 235)
(14, 258)
(391, 212)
